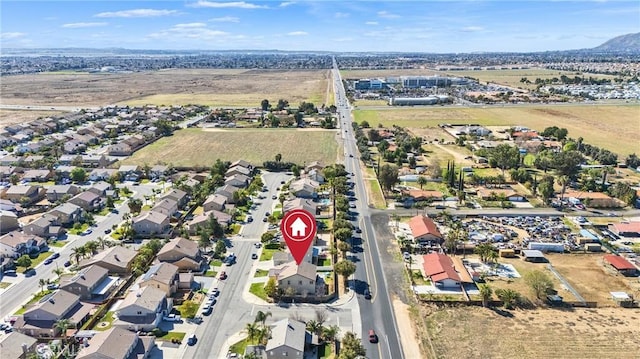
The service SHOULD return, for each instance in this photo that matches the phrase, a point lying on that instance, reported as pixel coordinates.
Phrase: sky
(330, 25)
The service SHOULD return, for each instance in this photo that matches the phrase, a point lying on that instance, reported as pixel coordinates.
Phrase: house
(315, 165)
(593, 199)
(46, 226)
(304, 188)
(59, 192)
(100, 188)
(129, 172)
(200, 221)
(158, 171)
(8, 221)
(166, 206)
(117, 343)
(622, 265)
(102, 174)
(238, 170)
(143, 309)
(316, 175)
(240, 181)
(67, 213)
(288, 340)
(87, 200)
(420, 195)
(23, 194)
(91, 283)
(120, 149)
(626, 229)
(183, 253)
(64, 172)
(163, 276)
(6, 205)
(214, 202)
(15, 244)
(150, 223)
(300, 203)
(228, 191)
(424, 229)
(301, 278)
(494, 194)
(37, 175)
(6, 172)
(17, 346)
(181, 197)
(242, 163)
(439, 268)
(117, 260)
(39, 320)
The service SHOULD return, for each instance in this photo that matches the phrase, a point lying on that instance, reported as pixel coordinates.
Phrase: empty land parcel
(197, 147)
(215, 87)
(614, 127)
(473, 332)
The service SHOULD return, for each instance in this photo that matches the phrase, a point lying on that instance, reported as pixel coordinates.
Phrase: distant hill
(622, 43)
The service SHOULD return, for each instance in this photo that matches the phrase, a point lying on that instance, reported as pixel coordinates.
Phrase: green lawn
(33, 300)
(104, 211)
(188, 309)
(377, 199)
(323, 262)
(326, 351)
(267, 254)
(215, 263)
(4, 285)
(108, 317)
(257, 289)
(35, 261)
(235, 229)
(261, 273)
(79, 230)
(210, 273)
(172, 335)
(239, 347)
(58, 244)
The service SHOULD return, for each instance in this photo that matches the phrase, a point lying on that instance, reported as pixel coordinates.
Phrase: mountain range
(622, 43)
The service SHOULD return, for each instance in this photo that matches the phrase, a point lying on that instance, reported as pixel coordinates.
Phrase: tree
(267, 237)
(42, 282)
(345, 268)
(539, 282)
(262, 317)
(330, 333)
(344, 247)
(343, 234)
(91, 247)
(135, 205)
(422, 181)
(509, 297)
(78, 175)
(220, 249)
(504, 156)
(62, 325)
(24, 261)
(271, 288)
(364, 124)
(278, 157)
(296, 170)
(388, 176)
(252, 331)
(264, 105)
(484, 250)
(567, 165)
(485, 293)
(545, 188)
(282, 104)
(351, 347)
(204, 241)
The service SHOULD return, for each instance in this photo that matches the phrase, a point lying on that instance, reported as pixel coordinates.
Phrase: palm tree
(422, 181)
(264, 334)
(91, 247)
(63, 325)
(252, 331)
(508, 297)
(262, 317)
(101, 242)
(78, 252)
(42, 283)
(330, 333)
(58, 271)
(485, 292)
(396, 218)
(314, 327)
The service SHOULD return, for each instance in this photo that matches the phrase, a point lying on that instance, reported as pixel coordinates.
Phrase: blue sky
(420, 26)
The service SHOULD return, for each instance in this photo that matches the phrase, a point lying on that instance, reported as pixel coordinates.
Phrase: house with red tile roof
(424, 229)
(626, 229)
(439, 268)
(622, 265)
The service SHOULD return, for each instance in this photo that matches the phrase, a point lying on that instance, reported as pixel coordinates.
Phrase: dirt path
(458, 156)
(408, 336)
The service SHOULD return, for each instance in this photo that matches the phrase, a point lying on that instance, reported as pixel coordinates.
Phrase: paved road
(512, 212)
(24, 287)
(377, 313)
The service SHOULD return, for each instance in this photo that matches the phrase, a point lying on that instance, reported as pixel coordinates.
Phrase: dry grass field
(614, 127)
(10, 117)
(215, 87)
(197, 147)
(474, 332)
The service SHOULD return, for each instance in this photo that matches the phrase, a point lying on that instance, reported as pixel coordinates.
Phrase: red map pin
(298, 230)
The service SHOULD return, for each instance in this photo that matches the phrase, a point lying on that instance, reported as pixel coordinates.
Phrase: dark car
(358, 230)
(282, 182)
(223, 275)
(373, 337)
(67, 263)
(10, 272)
(367, 294)
(265, 219)
(55, 255)
(254, 256)
(48, 261)
(107, 231)
(30, 273)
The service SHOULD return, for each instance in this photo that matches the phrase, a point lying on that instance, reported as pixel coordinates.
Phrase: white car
(171, 318)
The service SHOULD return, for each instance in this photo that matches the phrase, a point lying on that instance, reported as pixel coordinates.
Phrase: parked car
(223, 275)
(192, 339)
(258, 245)
(206, 310)
(172, 318)
(67, 263)
(55, 255)
(254, 256)
(52, 286)
(249, 219)
(373, 337)
(48, 261)
(10, 272)
(358, 230)
(215, 291)
(265, 219)
(274, 197)
(367, 294)
(30, 273)
(107, 231)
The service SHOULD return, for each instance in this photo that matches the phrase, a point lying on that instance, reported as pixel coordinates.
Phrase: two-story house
(180, 196)
(117, 343)
(214, 202)
(163, 276)
(117, 260)
(183, 253)
(23, 194)
(151, 223)
(59, 192)
(143, 309)
(91, 283)
(166, 206)
(87, 200)
(300, 278)
(8, 221)
(46, 226)
(67, 213)
(15, 244)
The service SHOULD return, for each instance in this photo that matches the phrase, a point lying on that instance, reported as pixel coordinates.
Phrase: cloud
(387, 15)
(79, 25)
(12, 35)
(341, 15)
(297, 33)
(137, 13)
(371, 23)
(188, 31)
(190, 25)
(472, 28)
(221, 5)
(225, 19)
(287, 3)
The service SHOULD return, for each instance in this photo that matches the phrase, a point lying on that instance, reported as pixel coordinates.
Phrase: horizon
(441, 27)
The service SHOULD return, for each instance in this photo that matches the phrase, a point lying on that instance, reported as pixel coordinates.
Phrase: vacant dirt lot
(474, 332)
(208, 87)
(614, 127)
(9, 117)
(197, 147)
